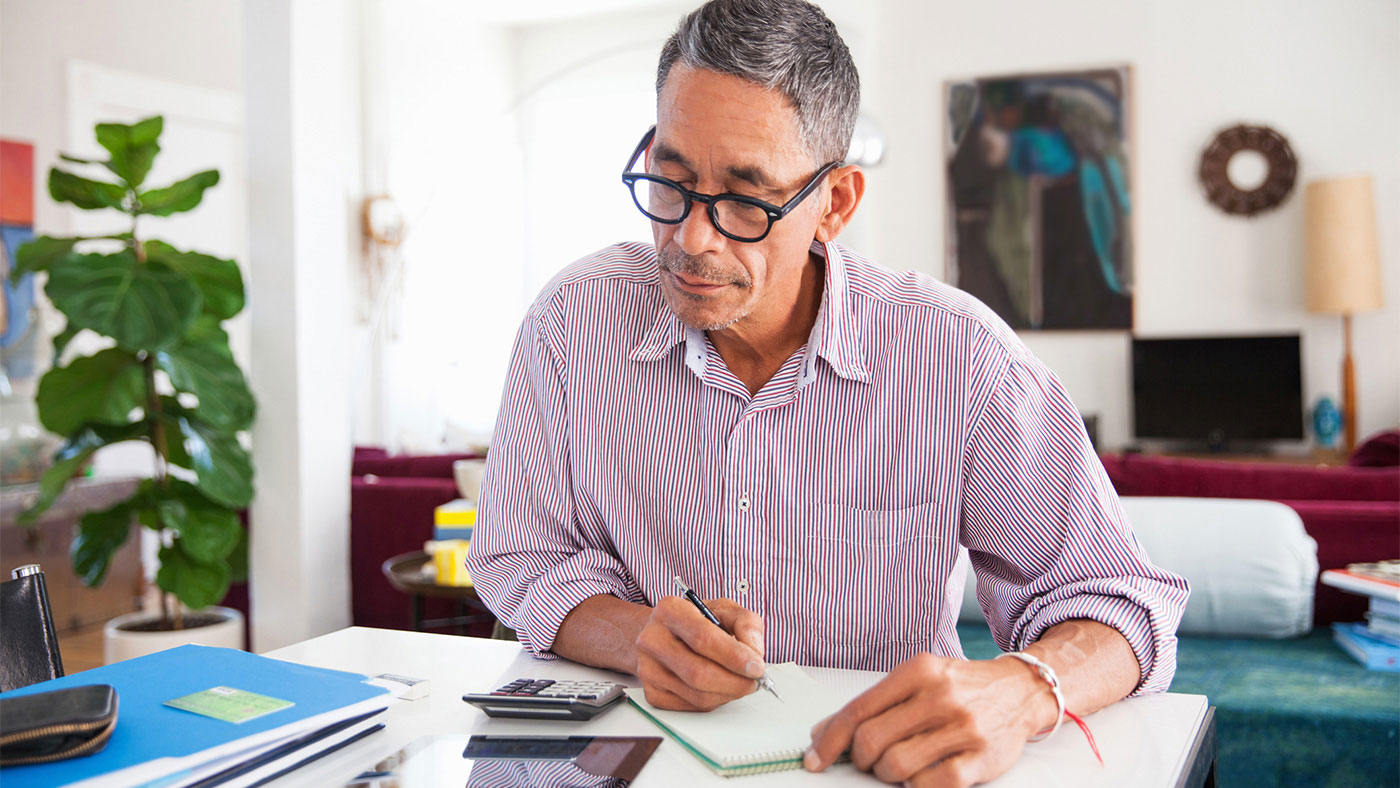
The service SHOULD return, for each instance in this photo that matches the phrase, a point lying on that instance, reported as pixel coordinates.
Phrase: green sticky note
(229, 704)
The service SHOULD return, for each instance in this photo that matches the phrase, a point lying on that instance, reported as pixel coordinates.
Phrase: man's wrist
(602, 631)
(1040, 702)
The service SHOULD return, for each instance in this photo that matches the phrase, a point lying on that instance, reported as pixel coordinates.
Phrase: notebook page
(755, 731)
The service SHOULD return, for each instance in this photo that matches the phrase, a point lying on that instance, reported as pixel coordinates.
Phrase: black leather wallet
(29, 650)
(51, 726)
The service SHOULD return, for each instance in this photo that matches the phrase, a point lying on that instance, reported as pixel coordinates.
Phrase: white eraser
(405, 687)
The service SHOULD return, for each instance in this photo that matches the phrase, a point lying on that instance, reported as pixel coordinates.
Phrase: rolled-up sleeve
(528, 560)
(1047, 534)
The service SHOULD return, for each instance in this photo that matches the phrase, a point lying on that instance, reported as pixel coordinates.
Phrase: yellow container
(454, 520)
(450, 559)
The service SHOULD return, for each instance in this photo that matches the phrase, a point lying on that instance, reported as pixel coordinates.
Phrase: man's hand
(687, 663)
(938, 721)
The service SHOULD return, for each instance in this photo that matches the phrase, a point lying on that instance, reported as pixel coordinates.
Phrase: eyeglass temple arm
(643, 145)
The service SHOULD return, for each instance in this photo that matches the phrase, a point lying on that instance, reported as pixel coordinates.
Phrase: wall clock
(1228, 186)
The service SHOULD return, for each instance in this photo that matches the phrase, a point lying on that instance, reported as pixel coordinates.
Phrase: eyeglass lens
(667, 203)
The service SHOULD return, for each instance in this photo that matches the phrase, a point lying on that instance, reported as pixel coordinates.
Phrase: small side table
(406, 573)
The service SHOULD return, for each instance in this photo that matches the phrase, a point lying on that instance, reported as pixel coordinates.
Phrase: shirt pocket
(872, 574)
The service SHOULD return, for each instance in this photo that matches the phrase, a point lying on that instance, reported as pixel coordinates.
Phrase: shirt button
(744, 504)
(743, 586)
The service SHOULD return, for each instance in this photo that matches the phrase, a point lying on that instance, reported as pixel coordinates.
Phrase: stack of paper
(1375, 644)
(1380, 579)
(1383, 620)
(1373, 653)
(201, 716)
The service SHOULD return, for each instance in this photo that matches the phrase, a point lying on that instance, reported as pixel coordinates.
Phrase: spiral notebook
(754, 734)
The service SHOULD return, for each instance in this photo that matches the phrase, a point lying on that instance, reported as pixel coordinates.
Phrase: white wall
(448, 154)
(585, 93)
(198, 48)
(1326, 75)
(195, 43)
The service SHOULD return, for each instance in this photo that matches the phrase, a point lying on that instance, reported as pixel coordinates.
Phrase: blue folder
(147, 729)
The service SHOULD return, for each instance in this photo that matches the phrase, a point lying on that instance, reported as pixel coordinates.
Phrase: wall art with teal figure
(1039, 196)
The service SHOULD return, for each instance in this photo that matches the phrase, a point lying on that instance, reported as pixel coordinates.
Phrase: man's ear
(847, 187)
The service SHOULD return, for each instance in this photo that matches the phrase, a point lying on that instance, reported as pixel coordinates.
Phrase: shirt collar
(835, 336)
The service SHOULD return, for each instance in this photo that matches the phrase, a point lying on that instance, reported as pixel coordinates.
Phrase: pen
(763, 681)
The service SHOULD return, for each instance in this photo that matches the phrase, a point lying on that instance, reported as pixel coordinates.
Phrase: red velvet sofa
(391, 512)
(1353, 513)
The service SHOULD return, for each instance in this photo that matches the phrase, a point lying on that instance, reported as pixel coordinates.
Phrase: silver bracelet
(1048, 673)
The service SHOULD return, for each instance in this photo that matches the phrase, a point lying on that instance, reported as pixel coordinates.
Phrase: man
(806, 439)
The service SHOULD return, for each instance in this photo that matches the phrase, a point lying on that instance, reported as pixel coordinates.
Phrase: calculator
(548, 699)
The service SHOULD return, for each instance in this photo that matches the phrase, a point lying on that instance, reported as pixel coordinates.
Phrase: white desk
(1162, 740)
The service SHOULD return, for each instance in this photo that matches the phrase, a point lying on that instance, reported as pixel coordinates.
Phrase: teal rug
(1293, 713)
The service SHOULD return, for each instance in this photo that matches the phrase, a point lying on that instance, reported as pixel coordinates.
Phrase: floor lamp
(1343, 266)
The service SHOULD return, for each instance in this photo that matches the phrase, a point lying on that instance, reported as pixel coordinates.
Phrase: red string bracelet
(1088, 734)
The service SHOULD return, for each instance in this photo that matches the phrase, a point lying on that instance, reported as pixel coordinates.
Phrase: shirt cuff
(554, 594)
(1155, 652)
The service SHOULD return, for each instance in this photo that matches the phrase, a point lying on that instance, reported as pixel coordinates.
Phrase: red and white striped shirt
(833, 502)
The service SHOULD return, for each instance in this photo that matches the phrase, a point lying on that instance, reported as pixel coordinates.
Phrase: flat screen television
(1218, 390)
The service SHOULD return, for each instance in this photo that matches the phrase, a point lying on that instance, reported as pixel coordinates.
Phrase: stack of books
(196, 717)
(1376, 642)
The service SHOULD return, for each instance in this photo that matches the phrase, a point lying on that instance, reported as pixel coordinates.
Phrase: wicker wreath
(1277, 185)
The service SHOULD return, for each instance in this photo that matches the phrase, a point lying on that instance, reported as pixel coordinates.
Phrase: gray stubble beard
(677, 262)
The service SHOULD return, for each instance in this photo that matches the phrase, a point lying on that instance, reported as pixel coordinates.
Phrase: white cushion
(1251, 566)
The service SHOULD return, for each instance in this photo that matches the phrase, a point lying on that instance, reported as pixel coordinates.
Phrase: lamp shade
(1343, 251)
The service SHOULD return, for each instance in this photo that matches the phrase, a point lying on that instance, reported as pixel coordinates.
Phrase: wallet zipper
(91, 745)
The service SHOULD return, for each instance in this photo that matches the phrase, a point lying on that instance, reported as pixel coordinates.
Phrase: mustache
(678, 262)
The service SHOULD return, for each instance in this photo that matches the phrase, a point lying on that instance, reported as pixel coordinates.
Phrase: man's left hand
(938, 721)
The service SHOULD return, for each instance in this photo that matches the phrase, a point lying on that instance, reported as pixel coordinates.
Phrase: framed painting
(19, 328)
(1039, 208)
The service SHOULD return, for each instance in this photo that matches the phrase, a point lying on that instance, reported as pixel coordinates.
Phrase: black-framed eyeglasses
(737, 217)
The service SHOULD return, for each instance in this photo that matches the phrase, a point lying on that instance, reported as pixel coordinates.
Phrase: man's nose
(697, 234)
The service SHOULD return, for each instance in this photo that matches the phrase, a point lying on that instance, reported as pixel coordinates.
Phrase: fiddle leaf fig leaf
(222, 467)
(195, 583)
(79, 159)
(203, 365)
(51, 484)
(178, 197)
(103, 388)
(218, 280)
(175, 451)
(238, 557)
(85, 193)
(40, 254)
(100, 535)
(70, 458)
(208, 531)
(143, 306)
(133, 148)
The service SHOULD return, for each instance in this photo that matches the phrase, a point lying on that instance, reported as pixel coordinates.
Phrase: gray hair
(784, 45)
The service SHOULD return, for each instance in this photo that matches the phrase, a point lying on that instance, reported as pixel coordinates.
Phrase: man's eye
(682, 178)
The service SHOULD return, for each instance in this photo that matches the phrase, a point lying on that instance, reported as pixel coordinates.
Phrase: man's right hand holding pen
(687, 663)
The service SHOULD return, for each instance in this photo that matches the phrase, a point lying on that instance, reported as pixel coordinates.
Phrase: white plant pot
(119, 644)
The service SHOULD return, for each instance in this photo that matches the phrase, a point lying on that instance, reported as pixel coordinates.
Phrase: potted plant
(167, 379)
